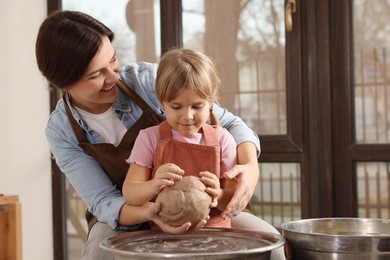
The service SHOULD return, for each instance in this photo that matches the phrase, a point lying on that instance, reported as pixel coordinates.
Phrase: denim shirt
(92, 184)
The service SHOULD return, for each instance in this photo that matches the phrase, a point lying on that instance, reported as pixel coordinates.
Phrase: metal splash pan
(208, 243)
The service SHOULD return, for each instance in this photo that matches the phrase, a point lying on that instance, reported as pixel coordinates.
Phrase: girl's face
(187, 112)
(96, 90)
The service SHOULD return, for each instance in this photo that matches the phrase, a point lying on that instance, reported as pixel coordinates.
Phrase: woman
(92, 129)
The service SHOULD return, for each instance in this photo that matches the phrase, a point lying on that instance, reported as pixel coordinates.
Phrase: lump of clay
(185, 201)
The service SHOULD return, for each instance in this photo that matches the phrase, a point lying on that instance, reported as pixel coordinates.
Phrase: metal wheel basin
(337, 238)
(208, 243)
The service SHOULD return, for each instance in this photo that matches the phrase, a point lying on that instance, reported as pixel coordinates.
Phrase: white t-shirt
(106, 124)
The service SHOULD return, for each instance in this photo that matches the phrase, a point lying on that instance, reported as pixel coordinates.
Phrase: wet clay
(185, 201)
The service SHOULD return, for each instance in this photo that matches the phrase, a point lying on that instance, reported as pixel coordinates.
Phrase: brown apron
(192, 158)
(111, 158)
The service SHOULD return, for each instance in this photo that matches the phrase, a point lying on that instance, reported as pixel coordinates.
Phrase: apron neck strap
(75, 126)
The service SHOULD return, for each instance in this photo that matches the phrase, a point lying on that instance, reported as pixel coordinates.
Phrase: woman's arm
(237, 128)
(103, 198)
(246, 173)
(133, 215)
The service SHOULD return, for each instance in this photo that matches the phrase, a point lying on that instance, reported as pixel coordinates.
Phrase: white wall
(24, 110)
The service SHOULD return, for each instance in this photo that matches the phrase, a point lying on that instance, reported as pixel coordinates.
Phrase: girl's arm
(137, 188)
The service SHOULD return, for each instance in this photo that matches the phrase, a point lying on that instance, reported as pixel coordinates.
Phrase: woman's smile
(109, 87)
(109, 90)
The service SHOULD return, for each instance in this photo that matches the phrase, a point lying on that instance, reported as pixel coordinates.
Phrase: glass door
(136, 25)
(248, 44)
(372, 104)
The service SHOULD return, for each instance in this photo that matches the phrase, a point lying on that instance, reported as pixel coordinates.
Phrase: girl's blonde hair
(186, 69)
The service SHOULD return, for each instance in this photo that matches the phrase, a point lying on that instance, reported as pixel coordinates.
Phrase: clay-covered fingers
(213, 186)
(246, 177)
(172, 229)
(152, 209)
(210, 180)
(237, 203)
(167, 174)
(234, 172)
(199, 225)
(214, 202)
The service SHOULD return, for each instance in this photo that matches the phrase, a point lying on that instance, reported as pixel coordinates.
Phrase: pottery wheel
(198, 245)
(205, 244)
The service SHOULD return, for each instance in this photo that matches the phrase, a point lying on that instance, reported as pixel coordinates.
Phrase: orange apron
(192, 158)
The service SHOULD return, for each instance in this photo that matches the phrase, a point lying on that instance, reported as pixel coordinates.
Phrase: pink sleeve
(229, 149)
(144, 147)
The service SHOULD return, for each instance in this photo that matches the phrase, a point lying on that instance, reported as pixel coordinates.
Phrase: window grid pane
(252, 65)
(371, 71)
(277, 195)
(373, 185)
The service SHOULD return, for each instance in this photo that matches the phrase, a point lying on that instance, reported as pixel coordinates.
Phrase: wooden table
(10, 227)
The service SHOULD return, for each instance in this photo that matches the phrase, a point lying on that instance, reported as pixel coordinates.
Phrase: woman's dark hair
(66, 43)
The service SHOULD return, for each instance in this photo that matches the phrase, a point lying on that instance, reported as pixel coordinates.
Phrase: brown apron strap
(165, 131)
(114, 169)
(210, 135)
(134, 96)
(75, 126)
(147, 112)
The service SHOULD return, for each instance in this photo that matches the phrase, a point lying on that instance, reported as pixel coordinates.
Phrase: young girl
(184, 144)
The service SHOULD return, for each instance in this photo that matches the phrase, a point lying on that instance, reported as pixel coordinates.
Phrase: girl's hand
(213, 186)
(166, 175)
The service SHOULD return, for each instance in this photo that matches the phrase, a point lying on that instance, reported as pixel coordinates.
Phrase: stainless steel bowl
(337, 238)
(205, 244)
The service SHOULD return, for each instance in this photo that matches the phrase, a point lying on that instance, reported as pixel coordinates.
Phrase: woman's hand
(246, 177)
(166, 175)
(185, 228)
(246, 173)
(213, 186)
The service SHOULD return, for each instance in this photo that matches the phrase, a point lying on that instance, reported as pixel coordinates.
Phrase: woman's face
(187, 112)
(96, 90)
